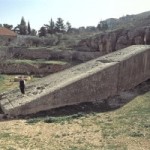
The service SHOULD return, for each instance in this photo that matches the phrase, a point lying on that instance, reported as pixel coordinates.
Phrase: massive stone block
(134, 65)
(95, 80)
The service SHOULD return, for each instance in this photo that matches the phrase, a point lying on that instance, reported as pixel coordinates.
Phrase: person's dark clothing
(22, 86)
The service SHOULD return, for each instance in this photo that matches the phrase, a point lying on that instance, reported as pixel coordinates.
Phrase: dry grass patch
(48, 136)
(7, 82)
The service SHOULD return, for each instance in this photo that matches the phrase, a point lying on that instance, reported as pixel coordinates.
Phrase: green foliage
(51, 27)
(29, 28)
(68, 26)
(62, 119)
(34, 120)
(60, 27)
(42, 31)
(32, 40)
(102, 26)
(33, 32)
(55, 119)
(21, 28)
(8, 26)
(51, 40)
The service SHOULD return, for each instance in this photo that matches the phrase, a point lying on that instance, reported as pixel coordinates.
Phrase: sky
(77, 12)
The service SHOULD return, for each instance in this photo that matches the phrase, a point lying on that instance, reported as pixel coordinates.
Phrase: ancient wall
(95, 80)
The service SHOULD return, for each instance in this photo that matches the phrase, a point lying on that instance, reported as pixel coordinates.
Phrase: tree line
(53, 27)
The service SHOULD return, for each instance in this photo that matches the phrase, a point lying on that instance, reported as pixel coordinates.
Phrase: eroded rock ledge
(111, 41)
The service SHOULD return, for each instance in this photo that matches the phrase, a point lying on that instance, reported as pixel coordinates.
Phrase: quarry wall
(95, 80)
(116, 39)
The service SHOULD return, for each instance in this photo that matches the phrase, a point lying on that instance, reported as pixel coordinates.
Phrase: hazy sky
(77, 12)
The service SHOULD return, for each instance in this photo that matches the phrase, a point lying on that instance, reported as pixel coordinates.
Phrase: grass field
(7, 82)
(126, 128)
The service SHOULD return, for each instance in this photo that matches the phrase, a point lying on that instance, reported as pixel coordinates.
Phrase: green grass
(10, 136)
(1, 78)
(49, 119)
(132, 120)
(3, 47)
(38, 61)
(37, 48)
(7, 83)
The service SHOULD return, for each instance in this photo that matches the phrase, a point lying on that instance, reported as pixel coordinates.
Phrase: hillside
(130, 21)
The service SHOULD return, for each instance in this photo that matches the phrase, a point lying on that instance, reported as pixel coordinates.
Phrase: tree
(42, 31)
(21, 28)
(68, 26)
(51, 27)
(102, 26)
(33, 32)
(29, 28)
(60, 27)
(8, 26)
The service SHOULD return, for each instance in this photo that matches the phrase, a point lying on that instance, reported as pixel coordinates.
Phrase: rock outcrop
(114, 40)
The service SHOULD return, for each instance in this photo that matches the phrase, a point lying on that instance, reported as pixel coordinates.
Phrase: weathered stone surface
(138, 40)
(95, 80)
(114, 40)
(122, 42)
(147, 36)
(1, 116)
(32, 69)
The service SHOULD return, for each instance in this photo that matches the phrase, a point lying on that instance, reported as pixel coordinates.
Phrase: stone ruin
(92, 81)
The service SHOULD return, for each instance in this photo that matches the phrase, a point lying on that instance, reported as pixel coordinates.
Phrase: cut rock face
(92, 81)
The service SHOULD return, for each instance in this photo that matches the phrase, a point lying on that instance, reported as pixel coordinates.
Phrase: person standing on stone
(22, 85)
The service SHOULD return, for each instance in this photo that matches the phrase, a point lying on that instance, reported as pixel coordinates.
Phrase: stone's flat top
(56, 81)
(124, 54)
